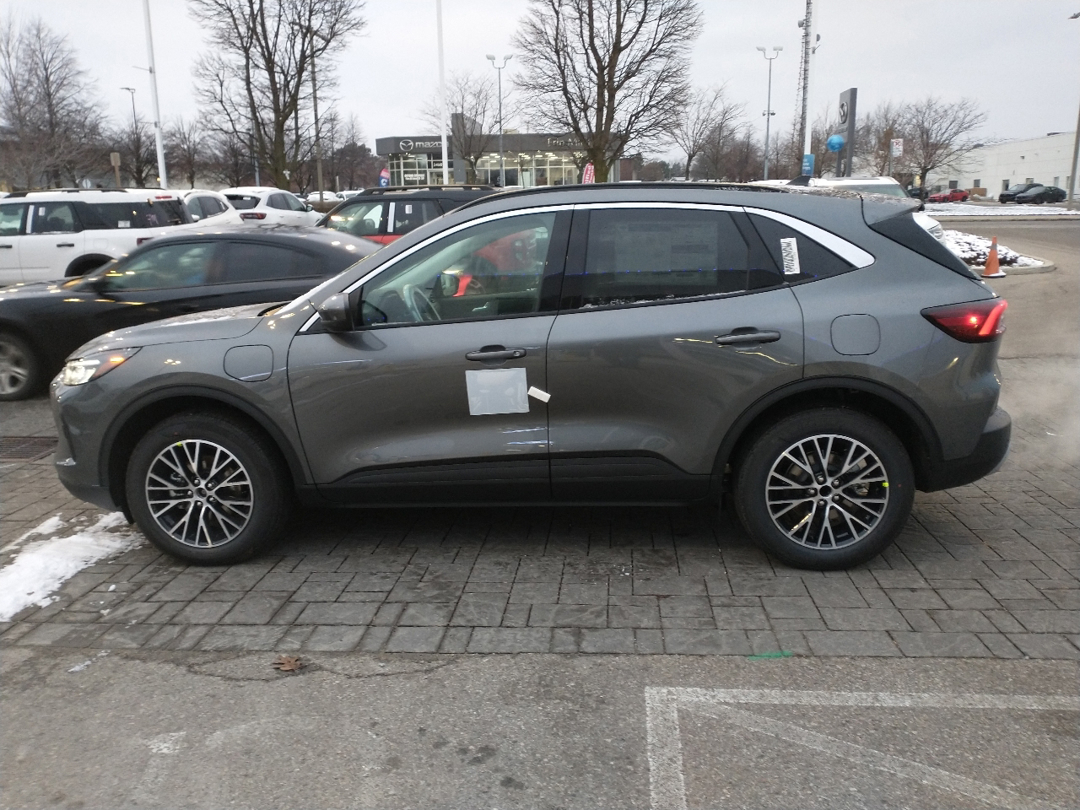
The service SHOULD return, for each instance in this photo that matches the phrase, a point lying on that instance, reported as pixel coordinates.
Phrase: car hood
(217, 324)
(23, 290)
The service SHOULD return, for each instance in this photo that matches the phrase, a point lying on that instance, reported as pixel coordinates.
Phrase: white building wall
(1046, 160)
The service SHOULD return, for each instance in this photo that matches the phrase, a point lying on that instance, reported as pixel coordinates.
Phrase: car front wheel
(207, 488)
(824, 489)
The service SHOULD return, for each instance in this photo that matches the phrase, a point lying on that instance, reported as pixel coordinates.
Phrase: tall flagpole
(154, 96)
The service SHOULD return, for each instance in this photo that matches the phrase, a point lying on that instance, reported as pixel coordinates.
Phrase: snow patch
(43, 566)
(962, 210)
(973, 250)
(46, 527)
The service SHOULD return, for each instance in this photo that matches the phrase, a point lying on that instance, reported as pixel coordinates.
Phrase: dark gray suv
(818, 358)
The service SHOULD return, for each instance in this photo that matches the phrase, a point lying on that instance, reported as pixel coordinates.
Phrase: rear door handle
(65, 244)
(490, 353)
(6, 247)
(188, 307)
(738, 337)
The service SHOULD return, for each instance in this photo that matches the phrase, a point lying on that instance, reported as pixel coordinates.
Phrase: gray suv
(815, 358)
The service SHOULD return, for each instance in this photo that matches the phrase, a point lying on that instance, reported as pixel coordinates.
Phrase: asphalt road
(107, 727)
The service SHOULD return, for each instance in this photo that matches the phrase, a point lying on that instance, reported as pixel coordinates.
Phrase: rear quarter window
(798, 256)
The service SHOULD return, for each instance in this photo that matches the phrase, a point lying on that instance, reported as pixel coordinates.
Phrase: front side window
(54, 218)
(293, 204)
(165, 267)
(362, 219)
(491, 270)
(249, 261)
(12, 217)
(642, 255)
(277, 201)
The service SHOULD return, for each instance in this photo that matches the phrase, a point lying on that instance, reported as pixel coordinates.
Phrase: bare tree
(874, 135)
(707, 115)
(258, 78)
(937, 134)
(356, 164)
(714, 162)
(48, 105)
(473, 107)
(229, 159)
(611, 72)
(185, 143)
(138, 158)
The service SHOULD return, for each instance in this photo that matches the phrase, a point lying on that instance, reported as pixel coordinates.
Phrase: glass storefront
(522, 169)
(417, 170)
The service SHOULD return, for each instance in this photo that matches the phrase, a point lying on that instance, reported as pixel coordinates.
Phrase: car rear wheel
(207, 488)
(824, 489)
(20, 370)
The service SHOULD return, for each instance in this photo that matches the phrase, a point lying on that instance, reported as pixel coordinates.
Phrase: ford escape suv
(816, 359)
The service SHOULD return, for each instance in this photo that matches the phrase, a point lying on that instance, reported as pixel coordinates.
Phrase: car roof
(451, 192)
(307, 235)
(97, 194)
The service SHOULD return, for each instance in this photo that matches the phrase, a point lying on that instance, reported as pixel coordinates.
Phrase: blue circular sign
(835, 143)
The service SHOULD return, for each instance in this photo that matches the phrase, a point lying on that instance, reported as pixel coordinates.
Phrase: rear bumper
(988, 455)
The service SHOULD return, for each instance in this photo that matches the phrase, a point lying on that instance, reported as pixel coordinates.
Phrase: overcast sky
(1019, 59)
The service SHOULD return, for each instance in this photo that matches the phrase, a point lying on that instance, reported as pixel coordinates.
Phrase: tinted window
(277, 201)
(490, 270)
(250, 261)
(195, 207)
(799, 256)
(11, 218)
(185, 265)
(156, 214)
(54, 218)
(411, 215)
(293, 204)
(242, 202)
(646, 255)
(361, 219)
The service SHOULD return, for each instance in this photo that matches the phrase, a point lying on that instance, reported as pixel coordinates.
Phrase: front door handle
(65, 244)
(496, 353)
(7, 247)
(188, 308)
(751, 336)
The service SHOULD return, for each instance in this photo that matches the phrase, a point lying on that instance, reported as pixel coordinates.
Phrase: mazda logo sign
(843, 112)
(406, 145)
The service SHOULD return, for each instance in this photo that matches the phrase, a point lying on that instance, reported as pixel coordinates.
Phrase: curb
(1005, 217)
(1029, 270)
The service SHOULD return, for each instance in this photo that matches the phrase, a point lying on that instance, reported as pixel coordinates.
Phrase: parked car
(1009, 194)
(68, 232)
(205, 206)
(817, 358)
(388, 213)
(263, 205)
(41, 323)
(326, 197)
(949, 195)
(1041, 194)
(351, 192)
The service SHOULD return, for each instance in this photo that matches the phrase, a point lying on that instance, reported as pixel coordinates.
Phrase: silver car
(813, 360)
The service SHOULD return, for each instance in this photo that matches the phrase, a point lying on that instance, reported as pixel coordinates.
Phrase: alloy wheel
(14, 367)
(199, 493)
(827, 491)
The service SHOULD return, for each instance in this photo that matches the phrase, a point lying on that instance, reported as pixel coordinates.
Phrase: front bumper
(986, 458)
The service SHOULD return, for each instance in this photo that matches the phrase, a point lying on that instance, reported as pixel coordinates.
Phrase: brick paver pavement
(987, 570)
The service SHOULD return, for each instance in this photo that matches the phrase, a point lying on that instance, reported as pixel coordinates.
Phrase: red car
(949, 195)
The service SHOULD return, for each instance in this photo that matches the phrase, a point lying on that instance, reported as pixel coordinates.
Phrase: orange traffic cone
(993, 269)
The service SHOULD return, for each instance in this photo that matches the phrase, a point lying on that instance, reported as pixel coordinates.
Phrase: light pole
(502, 162)
(1076, 142)
(164, 180)
(136, 141)
(768, 104)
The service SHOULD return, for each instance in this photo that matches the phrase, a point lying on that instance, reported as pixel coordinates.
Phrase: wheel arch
(85, 263)
(139, 416)
(902, 416)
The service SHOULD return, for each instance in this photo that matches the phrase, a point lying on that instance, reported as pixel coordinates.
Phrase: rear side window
(250, 261)
(636, 256)
(410, 215)
(12, 218)
(156, 214)
(798, 256)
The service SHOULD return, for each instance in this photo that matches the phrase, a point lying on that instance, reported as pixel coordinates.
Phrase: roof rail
(718, 185)
(367, 192)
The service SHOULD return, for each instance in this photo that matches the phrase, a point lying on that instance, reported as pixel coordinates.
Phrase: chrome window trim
(517, 212)
(841, 247)
(670, 205)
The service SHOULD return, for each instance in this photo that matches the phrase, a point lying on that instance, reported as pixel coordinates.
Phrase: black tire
(240, 509)
(20, 368)
(861, 516)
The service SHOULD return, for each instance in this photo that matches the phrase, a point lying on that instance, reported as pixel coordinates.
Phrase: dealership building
(995, 167)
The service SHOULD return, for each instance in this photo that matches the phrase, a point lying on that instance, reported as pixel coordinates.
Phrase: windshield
(1017, 187)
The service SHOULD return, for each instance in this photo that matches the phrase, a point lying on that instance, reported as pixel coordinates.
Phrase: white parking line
(664, 745)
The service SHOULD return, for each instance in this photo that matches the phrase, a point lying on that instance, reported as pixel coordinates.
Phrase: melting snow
(973, 250)
(47, 527)
(43, 566)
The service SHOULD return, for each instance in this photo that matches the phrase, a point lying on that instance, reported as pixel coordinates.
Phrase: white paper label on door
(498, 390)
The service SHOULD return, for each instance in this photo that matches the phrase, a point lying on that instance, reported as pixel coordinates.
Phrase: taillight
(252, 215)
(976, 322)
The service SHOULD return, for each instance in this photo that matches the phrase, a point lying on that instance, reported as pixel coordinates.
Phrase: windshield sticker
(499, 390)
(124, 223)
(789, 250)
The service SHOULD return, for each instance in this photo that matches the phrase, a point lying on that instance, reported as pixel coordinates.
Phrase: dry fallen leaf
(288, 663)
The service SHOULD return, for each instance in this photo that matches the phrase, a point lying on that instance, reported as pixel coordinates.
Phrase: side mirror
(310, 207)
(336, 313)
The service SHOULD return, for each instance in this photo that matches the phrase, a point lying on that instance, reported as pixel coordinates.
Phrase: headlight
(84, 369)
